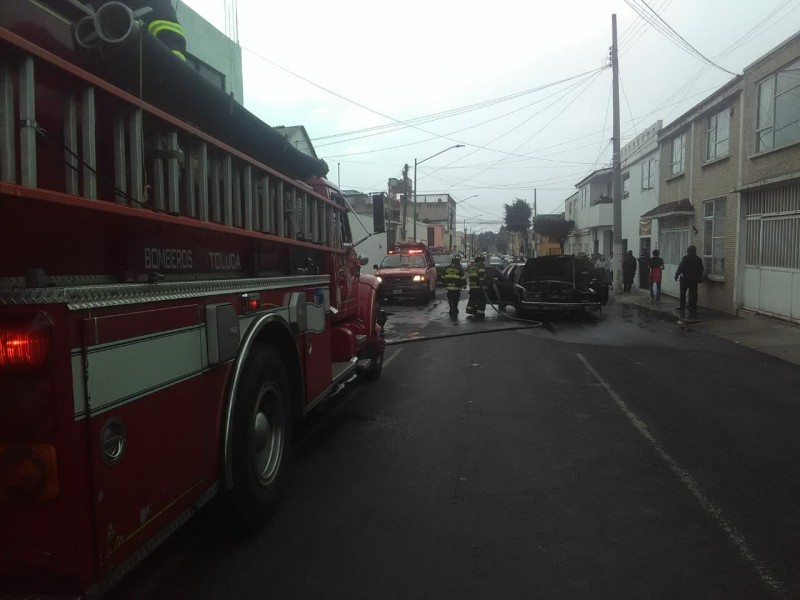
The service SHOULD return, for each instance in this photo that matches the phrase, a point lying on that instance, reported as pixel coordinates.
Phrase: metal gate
(772, 252)
(673, 239)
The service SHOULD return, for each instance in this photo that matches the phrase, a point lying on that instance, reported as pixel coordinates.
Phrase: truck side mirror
(378, 216)
(375, 267)
(363, 260)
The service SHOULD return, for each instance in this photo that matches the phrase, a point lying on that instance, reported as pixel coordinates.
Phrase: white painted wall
(635, 155)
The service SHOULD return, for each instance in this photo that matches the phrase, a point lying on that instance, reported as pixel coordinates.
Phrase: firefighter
(476, 306)
(162, 23)
(453, 277)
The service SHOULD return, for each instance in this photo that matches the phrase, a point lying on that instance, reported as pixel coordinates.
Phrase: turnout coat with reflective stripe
(453, 277)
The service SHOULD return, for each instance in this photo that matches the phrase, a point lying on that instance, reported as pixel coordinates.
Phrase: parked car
(503, 282)
(441, 260)
(495, 261)
(552, 283)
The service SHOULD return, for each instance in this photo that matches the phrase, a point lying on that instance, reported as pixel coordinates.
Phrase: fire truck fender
(367, 304)
(274, 330)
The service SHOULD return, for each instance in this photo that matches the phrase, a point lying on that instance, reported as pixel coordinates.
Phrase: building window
(714, 236)
(718, 134)
(676, 166)
(778, 120)
(626, 184)
(647, 174)
(584, 193)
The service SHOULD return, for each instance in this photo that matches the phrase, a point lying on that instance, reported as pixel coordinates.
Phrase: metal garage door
(772, 252)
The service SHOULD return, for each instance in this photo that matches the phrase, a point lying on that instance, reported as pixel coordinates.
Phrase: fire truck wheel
(262, 428)
(373, 371)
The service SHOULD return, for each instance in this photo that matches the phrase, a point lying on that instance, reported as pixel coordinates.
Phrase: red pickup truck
(407, 271)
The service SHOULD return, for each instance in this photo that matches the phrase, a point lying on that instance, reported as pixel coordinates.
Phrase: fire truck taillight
(251, 302)
(26, 342)
(28, 472)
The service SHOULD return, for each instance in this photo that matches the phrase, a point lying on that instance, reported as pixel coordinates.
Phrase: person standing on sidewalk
(656, 265)
(453, 277)
(690, 272)
(628, 271)
(476, 306)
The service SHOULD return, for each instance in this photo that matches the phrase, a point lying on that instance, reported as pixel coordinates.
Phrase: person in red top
(656, 272)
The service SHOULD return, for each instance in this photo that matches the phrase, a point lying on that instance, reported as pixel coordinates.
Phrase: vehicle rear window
(442, 259)
(393, 261)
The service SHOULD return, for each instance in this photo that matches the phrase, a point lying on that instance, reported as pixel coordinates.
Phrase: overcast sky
(352, 65)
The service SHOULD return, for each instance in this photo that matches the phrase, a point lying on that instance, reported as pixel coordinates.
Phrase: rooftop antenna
(232, 20)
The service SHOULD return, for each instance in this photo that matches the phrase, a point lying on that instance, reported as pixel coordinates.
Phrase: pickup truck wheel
(262, 429)
(520, 312)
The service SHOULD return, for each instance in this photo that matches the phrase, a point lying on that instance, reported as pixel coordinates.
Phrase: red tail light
(25, 342)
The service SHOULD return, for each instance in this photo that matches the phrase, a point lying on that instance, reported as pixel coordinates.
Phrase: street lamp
(468, 198)
(419, 162)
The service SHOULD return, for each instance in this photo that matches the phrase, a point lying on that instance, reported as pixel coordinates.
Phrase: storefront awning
(679, 208)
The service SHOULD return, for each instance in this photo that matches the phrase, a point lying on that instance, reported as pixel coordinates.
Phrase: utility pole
(535, 252)
(616, 173)
(406, 189)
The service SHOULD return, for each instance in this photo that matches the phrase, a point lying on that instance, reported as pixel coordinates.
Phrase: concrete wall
(634, 155)
(214, 48)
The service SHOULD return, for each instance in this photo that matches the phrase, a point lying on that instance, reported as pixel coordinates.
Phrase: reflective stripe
(158, 26)
(179, 54)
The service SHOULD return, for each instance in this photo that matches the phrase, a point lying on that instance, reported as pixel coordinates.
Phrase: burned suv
(407, 271)
(554, 283)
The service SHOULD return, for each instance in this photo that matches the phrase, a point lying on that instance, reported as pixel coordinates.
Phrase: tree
(553, 226)
(518, 220)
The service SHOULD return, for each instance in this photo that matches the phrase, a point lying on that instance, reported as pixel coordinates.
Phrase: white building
(639, 160)
(592, 211)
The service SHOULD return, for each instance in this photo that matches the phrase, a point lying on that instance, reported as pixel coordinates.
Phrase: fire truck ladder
(159, 163)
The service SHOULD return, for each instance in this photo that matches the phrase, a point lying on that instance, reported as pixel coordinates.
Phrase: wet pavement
(769, 335)
(613, 455)
(410, 321)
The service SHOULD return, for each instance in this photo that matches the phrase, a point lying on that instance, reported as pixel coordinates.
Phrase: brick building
(769, 185)
(699, 157)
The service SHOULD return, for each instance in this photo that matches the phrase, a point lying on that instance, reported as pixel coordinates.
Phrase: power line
(463, 128)
(563, 94)
(667, 31)
(588, 80)
(448, 113)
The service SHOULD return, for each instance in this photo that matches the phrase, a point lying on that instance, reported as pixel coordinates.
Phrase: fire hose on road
(501, 312)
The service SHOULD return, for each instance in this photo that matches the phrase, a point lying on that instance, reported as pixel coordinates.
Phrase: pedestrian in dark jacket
(690, 272)
(628, 271)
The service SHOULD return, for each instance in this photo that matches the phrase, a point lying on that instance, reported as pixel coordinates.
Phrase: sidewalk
(775, 337)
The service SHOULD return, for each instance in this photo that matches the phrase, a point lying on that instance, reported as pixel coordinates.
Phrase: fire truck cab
(407, 271)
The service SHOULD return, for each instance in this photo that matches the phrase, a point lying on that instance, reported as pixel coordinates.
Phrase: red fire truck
(176, 287)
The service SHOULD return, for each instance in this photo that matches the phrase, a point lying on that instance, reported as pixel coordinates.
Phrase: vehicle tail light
(26, 342)
(28, 472)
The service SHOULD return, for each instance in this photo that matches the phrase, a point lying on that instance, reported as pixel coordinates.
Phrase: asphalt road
(613, 456)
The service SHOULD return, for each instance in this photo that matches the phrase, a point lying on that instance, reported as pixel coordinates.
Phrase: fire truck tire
(373, 371)
(262, 428)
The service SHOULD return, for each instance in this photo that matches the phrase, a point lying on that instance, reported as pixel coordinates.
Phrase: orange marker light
(28, 472)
